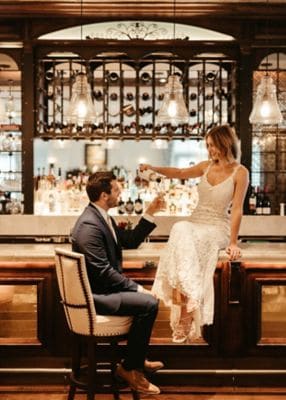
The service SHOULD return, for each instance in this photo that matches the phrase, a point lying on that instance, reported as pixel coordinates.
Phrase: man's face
(112, 199)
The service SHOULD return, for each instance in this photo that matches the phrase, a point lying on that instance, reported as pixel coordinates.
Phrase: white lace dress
(191, 255)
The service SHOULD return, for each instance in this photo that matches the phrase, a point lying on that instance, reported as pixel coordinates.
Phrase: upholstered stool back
(84, 323)
(78, 302)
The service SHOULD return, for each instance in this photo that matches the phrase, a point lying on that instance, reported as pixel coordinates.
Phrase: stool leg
(91, 374)
(76, 359)
(71, 391)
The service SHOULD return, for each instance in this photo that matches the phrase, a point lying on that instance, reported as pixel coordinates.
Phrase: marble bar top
(262, 252)
(36, 225)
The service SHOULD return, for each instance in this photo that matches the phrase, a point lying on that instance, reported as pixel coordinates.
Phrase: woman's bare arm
(179, 173)
(241, 185)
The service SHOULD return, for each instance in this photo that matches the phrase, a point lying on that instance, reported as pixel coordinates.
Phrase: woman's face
(214, 152)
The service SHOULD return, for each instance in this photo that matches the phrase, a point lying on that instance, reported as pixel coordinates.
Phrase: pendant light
(266, 110)
(173, 110)
(81, 110)
(10, 104)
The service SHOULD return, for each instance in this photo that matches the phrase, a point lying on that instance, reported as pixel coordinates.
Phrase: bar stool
(87, 326)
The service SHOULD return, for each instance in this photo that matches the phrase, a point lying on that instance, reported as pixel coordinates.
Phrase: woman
(184, 278)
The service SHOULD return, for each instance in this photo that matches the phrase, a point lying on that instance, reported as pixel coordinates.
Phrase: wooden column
(244, 108)
(28, 126)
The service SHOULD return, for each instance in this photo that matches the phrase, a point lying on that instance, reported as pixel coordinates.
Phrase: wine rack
(128, 94)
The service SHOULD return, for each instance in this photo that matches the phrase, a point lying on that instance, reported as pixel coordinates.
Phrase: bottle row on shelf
(118, 129)
(259, 202)
(57, 196)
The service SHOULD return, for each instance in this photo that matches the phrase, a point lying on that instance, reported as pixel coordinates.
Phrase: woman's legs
(181, 322)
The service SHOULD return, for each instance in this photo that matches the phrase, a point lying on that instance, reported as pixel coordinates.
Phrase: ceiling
(28, 19)
(138, 8)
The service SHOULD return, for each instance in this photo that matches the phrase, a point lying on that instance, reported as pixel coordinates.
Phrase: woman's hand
(233, 252)
(144, 167)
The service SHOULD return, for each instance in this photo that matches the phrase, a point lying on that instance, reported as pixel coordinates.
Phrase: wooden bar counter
(247, 341)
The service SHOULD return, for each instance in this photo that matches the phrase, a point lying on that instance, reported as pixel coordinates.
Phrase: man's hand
(158, 204)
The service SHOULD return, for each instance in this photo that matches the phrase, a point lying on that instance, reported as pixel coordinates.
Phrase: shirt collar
(102, 211)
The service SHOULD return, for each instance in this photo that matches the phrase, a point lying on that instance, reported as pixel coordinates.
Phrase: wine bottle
(138, 205)
(252, 200)
(149, 175)
(121, 206)
(266, 206)
(259, 204)
(129, 206)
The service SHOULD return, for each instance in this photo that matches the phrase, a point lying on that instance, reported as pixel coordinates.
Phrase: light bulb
(265, 109)
(172, 108)
(81, 107)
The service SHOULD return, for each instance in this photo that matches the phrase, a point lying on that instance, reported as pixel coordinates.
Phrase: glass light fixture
(266, 109)
(81, 109)
(173, 110)
(10, 105)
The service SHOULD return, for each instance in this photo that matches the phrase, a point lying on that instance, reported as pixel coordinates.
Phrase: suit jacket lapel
(105, 226)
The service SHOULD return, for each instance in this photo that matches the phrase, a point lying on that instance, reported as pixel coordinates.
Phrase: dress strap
(207, 169)
(235, 169)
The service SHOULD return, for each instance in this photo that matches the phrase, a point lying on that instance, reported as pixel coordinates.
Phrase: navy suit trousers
(143, 308)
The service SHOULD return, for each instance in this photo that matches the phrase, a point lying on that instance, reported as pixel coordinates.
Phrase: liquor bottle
(252, 200)
(121, 206)
(138, 205)
(137, 179)
(129, 206)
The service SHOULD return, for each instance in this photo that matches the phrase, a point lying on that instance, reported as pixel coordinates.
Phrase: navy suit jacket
(92, 237)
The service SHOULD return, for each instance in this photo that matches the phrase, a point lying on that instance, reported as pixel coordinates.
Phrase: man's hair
(99, 182)
(225, 139)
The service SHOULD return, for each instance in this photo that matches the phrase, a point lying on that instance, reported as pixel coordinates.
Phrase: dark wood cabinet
(248, 335)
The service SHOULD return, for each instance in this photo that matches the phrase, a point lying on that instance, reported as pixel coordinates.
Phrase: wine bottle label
(149, 175)
(266, 210)
(138, 207)
(129, 207)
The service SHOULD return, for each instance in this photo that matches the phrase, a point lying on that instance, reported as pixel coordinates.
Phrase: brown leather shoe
(152, 366)
(136, 380)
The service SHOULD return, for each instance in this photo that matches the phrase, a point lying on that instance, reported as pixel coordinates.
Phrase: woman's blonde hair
(225, 139)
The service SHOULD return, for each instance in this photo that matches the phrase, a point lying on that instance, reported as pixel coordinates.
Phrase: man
(98, 237)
